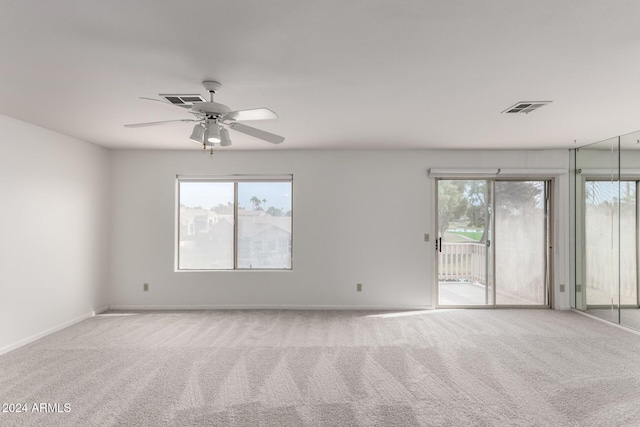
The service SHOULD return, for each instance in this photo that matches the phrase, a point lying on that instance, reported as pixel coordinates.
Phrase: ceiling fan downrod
(211, 87)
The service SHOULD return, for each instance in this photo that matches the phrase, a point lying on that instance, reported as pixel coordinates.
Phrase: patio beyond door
(492, 243)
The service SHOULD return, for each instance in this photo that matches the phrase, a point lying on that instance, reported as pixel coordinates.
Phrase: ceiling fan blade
(164, 102)
(253, 114)
(140, 125)
(257, 133)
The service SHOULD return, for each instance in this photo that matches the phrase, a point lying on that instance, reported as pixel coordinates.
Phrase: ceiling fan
(212, 119)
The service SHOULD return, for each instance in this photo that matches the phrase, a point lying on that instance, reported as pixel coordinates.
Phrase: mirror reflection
(606, 214)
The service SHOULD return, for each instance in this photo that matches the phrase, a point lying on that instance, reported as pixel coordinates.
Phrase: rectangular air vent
(526, 106)
(183, 100)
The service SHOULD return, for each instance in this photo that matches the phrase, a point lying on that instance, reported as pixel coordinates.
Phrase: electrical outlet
(359, 287)
(145, 287)
(562, 288)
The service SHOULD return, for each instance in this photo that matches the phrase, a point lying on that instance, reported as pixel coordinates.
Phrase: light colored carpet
(290, 368)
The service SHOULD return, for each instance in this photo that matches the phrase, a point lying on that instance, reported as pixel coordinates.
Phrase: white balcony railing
(462, 262)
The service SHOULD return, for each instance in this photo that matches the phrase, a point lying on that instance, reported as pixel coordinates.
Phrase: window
(234, 223)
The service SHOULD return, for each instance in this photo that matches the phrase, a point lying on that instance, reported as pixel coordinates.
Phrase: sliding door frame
(548, 183)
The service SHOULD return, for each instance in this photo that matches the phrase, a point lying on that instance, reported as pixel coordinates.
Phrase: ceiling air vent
(526, 106)
(183, 100)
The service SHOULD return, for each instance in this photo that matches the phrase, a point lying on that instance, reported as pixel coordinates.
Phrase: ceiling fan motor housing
(210, 108)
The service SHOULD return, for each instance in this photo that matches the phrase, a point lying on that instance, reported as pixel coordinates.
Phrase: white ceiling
(341, 74)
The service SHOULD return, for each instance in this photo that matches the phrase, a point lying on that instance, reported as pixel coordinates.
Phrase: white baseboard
(49, 331)
(100, 310)
(269, 307)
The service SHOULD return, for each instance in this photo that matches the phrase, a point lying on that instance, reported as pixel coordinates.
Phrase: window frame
(235, 179)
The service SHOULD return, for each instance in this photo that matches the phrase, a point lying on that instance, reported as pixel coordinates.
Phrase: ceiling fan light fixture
(225, 141)
(198, 134)
(214, 133)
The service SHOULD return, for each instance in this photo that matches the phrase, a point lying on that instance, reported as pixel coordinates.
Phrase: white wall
(53, 231)
(359, 217)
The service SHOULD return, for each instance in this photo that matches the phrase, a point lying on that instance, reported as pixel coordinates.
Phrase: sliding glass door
(464, 239)
(521, 242)
(492, 243)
